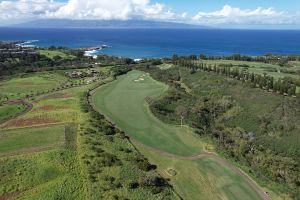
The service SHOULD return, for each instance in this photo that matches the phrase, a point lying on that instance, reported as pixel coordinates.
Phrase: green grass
(296, 64)
(53, 174)
(258, 68)
(165, 66)
(52, 54)
(10, 110)
(31, 139)
(50, 168)
(204, 179)
(57, 107)
(124, 102)
(31, 84)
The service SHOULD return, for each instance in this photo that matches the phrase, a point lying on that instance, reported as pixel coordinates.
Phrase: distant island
(67, 23)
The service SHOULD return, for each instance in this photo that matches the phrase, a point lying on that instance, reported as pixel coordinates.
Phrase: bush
(108, 160)
(143, 164)
(133, 185)
(153, 181)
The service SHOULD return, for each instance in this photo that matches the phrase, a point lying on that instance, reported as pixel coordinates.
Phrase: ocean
(157, 43)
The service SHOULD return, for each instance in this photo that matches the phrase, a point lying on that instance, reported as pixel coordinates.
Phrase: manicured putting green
(123, 101)
(18, 140)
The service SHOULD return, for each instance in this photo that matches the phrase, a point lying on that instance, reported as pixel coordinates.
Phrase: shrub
(133, 185)
(153, 181)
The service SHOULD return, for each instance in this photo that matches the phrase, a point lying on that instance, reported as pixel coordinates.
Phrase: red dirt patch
(51, 107)
(29, 122)
(28, 105)
(58, 95)
(9, 195)
(31, 150)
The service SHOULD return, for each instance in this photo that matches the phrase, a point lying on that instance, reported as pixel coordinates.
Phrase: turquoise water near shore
(140, 43)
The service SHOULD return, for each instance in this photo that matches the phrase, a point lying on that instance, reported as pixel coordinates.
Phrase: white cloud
(112, 9)
(85, 9)
(26, 9)
(235, 16)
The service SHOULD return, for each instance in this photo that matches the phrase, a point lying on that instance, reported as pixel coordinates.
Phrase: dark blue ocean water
(160, 43)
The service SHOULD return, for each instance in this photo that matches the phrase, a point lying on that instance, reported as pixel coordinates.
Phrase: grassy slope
(9, 110)
(31, 83)
(123, 101)
(296, 64)
(116, 101)
(257, 67)
(248, 116)
(12, 141)
(52, 54)
(165, 66)
(59, 107)
(48, 174)
(209, 179)
(44, 175)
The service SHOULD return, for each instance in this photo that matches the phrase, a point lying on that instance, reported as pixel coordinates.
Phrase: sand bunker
(141, 78)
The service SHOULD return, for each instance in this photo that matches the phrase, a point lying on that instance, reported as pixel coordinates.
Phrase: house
(74, 74)
(82, 74)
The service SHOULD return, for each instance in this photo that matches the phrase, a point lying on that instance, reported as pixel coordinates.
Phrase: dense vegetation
(256, 128)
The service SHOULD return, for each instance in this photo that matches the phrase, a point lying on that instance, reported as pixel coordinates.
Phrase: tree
(128, 61)
(292, 90)
(252, 77)
(193, 57)
(202, 57)
(271, 83)
(57, 58)
(175, 59)
(182, 112)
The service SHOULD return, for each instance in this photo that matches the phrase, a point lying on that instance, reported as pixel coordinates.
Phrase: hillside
(65, 23)
(255, 127)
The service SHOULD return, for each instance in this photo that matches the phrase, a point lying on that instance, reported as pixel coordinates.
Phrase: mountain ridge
(109, 24)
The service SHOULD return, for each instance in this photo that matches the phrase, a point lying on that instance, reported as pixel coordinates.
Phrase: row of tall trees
(267, 58)
(282, 86)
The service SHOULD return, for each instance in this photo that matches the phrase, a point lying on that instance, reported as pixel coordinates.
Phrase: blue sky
(193, 6)
(280, 14)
